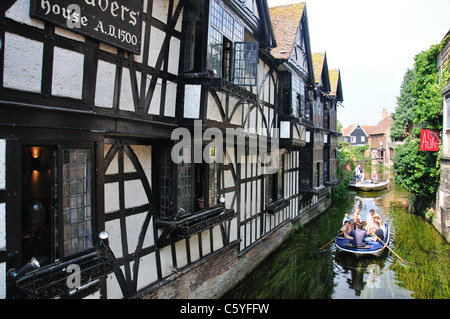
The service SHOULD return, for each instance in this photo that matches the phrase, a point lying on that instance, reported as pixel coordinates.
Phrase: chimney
(384, 113)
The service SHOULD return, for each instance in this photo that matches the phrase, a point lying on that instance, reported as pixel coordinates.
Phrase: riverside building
(92, 204)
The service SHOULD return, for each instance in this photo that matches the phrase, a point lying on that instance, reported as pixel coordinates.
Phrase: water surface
(298, 269)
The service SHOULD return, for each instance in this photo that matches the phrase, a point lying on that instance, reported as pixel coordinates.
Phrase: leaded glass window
(189, 47)
(285, 90)
(77, 197)
(224, 30)
(185, 187)
(213, 184)
(274, 189)
(193, 29)
(238, 31)
(246, 63)
(215, 51)
(56, 202)
(216, 15)
(166, 183)
(228, 24)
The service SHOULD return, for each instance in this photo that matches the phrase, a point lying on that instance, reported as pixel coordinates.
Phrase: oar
(402, 260)
(332, 240)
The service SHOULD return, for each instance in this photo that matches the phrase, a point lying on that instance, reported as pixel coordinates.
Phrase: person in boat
(346, 229)
(357, 174)
(377, 231)
(356, 215)
(358, 235)
(370, 219)
(346, 218)
(374, 177)
(380, 222)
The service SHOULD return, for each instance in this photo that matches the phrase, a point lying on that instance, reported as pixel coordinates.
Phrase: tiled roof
(346, 131)
(369, 129)
(334, 81)
(318, 64)
(285, 22)
(335, 84)
(384, 125)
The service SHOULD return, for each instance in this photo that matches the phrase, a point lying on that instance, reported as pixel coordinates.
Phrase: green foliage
(419, 104)
(353, 153)
(416, 171)
(426, 90)
(350, 155)
(403, 115)
(341, 192)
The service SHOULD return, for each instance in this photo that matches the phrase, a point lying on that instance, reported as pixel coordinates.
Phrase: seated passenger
(358, 235)
(356, 215)
(380, 222)
(370, 218)
(345, 229)
(377, 231)
(346, 218)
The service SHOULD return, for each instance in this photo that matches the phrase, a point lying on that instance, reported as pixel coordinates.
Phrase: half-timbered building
(334, 99)
(156, 148)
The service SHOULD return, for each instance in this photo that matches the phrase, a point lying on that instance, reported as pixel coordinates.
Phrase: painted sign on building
(117, 22)
(429, 140)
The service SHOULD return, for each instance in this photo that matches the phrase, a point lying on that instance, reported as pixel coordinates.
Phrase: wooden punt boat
(368, 186)
(370, 248)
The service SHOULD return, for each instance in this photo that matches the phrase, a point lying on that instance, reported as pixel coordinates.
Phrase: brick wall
(217, 275)
(214, 277)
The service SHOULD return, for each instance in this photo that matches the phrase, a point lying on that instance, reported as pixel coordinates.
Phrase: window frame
(197, 175)
(245, 64)
(56, 195)
(65, 146)
(447, 109)
(274, 183)
(285, 89)
(241, 68)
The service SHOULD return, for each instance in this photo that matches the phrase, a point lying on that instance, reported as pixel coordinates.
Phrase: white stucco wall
(22, 64)
(67, 80)
(192, 95)
(104, 90)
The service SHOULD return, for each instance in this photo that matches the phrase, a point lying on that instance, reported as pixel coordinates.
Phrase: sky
(373, 43)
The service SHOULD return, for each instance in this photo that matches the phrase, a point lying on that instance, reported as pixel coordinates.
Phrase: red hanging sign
(429, 140)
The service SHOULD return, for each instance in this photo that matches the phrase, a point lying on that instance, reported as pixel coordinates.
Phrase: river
(298, 269)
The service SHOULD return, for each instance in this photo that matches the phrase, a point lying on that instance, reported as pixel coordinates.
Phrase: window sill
(221, 84)
(276, 206)
(51, 281)
(203, 221)
(195, 223)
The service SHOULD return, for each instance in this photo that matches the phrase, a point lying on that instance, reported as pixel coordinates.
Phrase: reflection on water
(297, 269)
